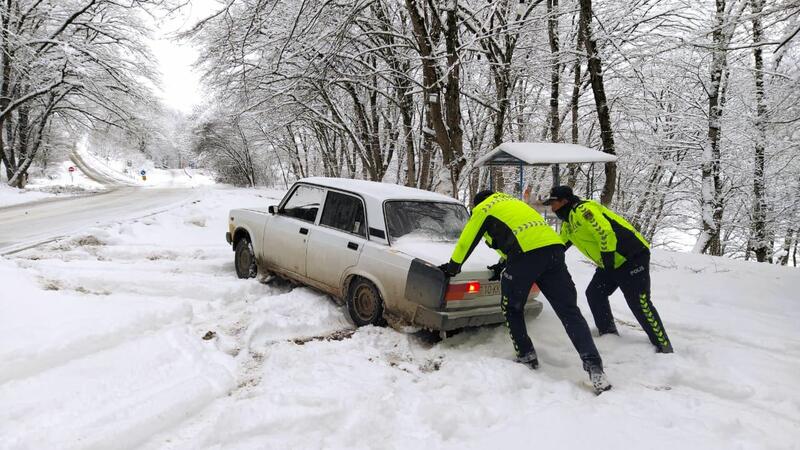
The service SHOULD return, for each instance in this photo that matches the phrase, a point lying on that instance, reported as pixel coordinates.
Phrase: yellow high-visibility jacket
(595, 230)
(509, 225)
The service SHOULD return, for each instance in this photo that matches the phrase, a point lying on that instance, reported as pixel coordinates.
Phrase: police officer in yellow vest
(531, 251)
(622, 257)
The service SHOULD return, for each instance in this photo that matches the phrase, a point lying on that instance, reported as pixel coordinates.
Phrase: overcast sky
(181, 85)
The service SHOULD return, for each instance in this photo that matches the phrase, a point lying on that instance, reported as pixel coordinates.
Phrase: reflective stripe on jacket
(595, 229)
(509, 226)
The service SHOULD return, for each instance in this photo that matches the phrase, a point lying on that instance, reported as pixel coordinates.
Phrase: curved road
(30, 224)
(97, 175)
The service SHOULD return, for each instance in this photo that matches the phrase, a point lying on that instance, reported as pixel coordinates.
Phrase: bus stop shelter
(522, 154)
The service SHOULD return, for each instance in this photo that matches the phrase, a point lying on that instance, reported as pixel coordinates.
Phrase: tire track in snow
(146, 385)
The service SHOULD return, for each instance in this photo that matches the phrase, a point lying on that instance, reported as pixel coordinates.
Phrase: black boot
(529, 360)
(612, 330)
(598, 378)
(665, 348)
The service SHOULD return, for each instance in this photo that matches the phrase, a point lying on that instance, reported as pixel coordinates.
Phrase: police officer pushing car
(622, 257)
(531, 252)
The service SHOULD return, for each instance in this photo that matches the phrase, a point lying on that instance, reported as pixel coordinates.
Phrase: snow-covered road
(28, 224)
(137, 334)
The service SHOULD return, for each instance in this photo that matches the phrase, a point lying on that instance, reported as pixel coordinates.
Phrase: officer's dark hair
(481, 196)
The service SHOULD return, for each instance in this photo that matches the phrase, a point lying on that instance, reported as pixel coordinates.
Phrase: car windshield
(425, 220)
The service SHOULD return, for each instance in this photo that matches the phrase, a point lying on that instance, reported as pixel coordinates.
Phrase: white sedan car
(374, 247)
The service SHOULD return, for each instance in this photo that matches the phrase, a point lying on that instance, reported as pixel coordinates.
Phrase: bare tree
(760, 244)
(725, 21)
(441, 77)
(595, 67)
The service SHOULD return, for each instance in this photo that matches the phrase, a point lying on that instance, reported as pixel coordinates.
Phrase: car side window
(344, 212)
(304, 203)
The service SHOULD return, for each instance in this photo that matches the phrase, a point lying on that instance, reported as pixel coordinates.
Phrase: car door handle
(303, 230)
(352, 246)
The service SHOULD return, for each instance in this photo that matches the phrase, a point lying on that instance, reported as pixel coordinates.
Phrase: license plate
(490, 289)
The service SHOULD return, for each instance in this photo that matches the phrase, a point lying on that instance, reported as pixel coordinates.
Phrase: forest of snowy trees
(699, 100)
(73, 69)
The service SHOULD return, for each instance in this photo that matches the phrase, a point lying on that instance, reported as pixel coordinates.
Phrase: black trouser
(633, 278)
(545, 266)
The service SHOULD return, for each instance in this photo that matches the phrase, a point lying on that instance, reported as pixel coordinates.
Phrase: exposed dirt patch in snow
(87, 241)
(84, 290)
(65, 189)
(51, 285)
(167, 255)
(196, 221)
(338, 335)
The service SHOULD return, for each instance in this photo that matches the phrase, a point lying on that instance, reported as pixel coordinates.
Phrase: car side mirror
(272, 209)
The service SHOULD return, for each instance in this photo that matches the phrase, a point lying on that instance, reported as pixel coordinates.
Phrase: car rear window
(437, 221)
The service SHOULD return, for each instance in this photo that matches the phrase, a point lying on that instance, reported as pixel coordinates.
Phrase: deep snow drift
(103, 348)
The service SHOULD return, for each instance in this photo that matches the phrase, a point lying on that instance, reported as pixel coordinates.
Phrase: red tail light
(458, 291)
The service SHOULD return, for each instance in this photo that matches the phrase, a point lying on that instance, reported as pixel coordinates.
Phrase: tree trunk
(572, 174)
(760, 246)
(403, 93)
(555, 77)
(29, 148)
(23, 133)
(501, 82)
(426, 151)
(711, 188)
(406, 111)
(595, 68)
(442, 102)
(6, 56)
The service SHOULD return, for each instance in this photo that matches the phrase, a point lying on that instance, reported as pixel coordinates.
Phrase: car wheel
(245, 259)
(364, 303)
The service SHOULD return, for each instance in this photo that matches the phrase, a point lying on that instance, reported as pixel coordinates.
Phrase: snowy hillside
(139, 335)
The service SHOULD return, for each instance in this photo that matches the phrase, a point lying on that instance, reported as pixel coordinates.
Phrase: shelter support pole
(556, 175)
(521, 178)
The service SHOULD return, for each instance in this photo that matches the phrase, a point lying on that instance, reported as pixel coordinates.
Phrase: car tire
(245, 259)
(364, 303)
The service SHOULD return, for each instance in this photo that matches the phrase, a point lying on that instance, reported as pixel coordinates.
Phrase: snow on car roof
(379, 191)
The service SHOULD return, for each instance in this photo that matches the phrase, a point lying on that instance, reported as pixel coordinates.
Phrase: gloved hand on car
(497, 270)
(450, 269)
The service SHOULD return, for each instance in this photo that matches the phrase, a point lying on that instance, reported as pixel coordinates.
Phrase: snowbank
(139, 335)
(56, 183)
(12, 196)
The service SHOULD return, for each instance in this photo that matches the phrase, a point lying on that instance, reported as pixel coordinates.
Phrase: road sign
(143, 172)
(129, 163)
(71, 168)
